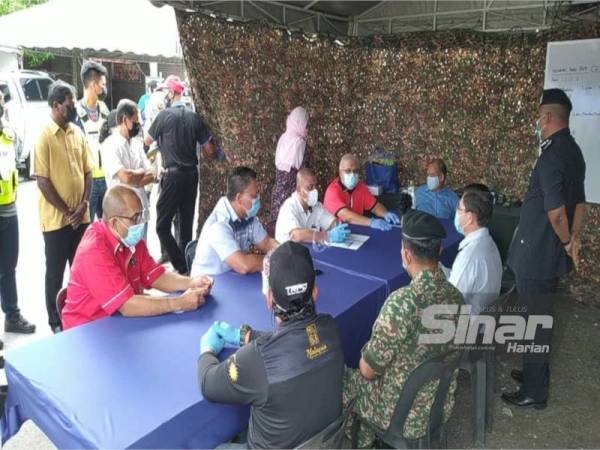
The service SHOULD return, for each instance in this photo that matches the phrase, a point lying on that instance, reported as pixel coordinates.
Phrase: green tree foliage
(10, 6)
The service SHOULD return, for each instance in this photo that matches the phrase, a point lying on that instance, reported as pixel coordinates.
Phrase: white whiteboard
(574, 66)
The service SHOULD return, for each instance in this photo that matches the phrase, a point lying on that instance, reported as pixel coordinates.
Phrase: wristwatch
(244, 330)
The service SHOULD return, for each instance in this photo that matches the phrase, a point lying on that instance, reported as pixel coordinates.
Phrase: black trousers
(537, 297)
(178, 190)
(60, 248)
(9, 254)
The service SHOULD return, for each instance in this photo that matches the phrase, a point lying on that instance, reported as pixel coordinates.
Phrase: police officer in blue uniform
(292, 378)
(547, 242)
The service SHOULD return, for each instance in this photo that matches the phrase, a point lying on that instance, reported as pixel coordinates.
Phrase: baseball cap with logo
(291, 276)
(173, 83)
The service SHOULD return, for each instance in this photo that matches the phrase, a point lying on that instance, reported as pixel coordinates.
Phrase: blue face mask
(457, 224)
(135, 234)
(350, 180)
(253, 211)
(433, 183)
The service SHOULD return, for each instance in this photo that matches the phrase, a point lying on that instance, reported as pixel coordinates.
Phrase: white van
(27, 111)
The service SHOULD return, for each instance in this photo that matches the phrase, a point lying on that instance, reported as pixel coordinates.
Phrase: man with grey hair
(112, 268)
(348, 199)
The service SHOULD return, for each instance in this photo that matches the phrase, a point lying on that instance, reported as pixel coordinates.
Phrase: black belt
(174, 169)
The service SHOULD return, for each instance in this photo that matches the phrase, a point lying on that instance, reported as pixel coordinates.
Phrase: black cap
(419, 225)
(556, 97)
(291, 276)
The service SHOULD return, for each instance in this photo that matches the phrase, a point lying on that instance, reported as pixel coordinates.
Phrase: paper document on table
(354, 242)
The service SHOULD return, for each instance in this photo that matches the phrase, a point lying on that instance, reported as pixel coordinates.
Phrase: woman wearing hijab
(291, 156)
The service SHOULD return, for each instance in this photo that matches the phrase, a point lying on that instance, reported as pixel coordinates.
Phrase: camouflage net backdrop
(468, 97)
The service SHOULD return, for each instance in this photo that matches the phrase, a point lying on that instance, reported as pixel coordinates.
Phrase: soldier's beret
(420, 225)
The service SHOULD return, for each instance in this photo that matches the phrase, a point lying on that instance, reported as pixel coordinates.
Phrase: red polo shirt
(359, 200)
(105, 274)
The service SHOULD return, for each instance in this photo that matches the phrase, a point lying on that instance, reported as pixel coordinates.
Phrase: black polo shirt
(557, 179)
(291, 378)
(178, 130)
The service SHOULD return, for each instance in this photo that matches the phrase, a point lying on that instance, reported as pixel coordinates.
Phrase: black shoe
(56, 329)
(18, 324)
(1, 345)
(518, 399)
(517, 375)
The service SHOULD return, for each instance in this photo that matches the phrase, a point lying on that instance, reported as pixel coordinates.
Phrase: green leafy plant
(33, 58)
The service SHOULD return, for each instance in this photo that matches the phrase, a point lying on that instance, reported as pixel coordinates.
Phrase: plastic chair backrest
(190, 252)
(440, 368)
(61, 299)
(503, 234)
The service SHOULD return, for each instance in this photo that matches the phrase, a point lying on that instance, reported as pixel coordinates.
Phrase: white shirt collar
(299, 203)
(232, 214)
(476, 235)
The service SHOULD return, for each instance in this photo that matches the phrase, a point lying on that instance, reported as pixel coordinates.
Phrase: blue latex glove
(391, 217)
(339, 233)
(229, 333)
(211, 342)
(380, 224)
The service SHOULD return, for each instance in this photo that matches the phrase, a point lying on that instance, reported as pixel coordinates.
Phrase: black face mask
(71, 114)
(102, 95)
(135, 130)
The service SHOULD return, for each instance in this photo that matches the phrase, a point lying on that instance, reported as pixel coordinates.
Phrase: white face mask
(313, 198)
(433, 183)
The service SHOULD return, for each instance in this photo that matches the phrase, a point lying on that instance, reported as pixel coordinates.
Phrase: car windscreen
(36, 89)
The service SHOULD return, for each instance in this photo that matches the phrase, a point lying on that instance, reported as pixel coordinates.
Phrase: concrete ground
(570, 421)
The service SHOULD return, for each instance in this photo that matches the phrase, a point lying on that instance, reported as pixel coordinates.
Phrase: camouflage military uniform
(393, 352)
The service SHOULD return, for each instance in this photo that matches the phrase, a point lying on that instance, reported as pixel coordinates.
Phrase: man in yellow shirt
(63, 170)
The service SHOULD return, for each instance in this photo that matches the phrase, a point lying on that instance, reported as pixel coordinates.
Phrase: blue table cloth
(131, 382)
(379, 258)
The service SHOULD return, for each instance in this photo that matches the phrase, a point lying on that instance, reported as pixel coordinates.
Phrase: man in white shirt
(302, 217)
(232, 228)
(124, 159)
(477, 269)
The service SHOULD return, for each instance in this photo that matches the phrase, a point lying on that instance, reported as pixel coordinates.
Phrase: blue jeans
(9, 254)
(96, 197)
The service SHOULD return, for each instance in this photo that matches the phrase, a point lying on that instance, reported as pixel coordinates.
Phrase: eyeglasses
(137, 218)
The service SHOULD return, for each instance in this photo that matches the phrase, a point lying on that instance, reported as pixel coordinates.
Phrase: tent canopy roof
(360, 18)
(131, 28)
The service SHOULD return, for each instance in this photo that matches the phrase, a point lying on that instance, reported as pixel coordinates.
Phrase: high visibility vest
(9, 176)
(92, 134)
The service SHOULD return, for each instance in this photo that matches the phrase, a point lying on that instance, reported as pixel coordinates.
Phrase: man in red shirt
(112, 267)
(348, 199)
